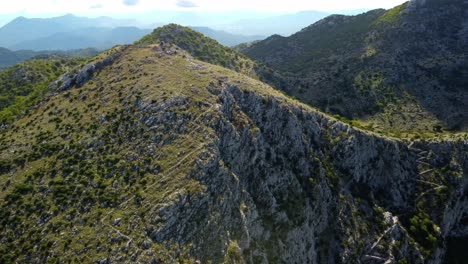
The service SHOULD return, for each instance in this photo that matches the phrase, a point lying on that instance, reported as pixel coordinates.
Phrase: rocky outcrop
(79, 77)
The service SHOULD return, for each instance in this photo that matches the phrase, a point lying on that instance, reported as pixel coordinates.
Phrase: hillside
(25, 84)
(9, 58)
(148, 155)
(400, 71)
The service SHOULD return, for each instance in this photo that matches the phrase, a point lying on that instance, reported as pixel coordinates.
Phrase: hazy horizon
(242, 17)
(132, 7)
(147, 12)
(171, 16)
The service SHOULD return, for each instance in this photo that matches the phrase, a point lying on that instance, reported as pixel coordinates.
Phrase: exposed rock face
(81, 76)
(417, 3)
(292, 186)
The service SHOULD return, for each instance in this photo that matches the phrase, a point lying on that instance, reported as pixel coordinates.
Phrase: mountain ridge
(147, 154)
(358, 60)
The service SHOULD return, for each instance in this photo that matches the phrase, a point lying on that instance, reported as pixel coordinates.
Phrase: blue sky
(220, 14)
(121, 7)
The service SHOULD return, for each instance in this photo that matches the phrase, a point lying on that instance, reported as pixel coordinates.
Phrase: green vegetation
(378, 69)
(243, 46)
(9, 58)
(309, 50)
(25, 84)
(200, 47)
(233, 254)
(79, 163)
(424, 231)
(392, 16)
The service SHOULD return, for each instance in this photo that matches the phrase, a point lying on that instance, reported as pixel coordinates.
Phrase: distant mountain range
(284, 25)
(262, 23)
(23, 29)
(225, 38)
(71, 32)
(9, 57)
(37, 37)
(99, 38)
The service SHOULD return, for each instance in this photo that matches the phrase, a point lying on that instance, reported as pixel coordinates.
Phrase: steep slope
(148, 155)
(334, 35)
(402, 70)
